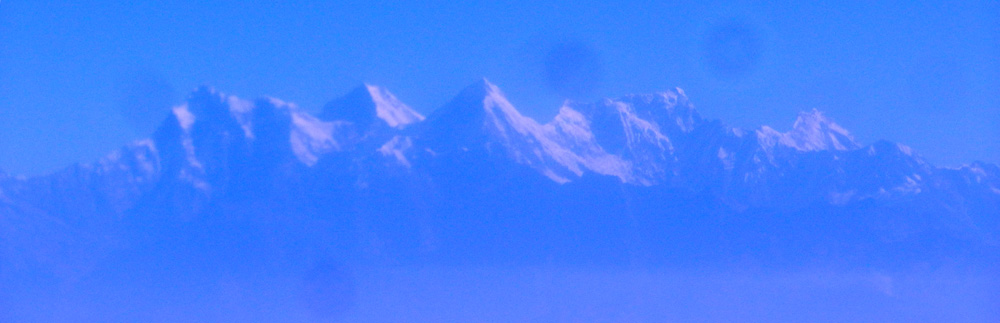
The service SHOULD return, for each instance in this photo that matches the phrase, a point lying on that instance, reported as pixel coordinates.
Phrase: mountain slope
(638, 176)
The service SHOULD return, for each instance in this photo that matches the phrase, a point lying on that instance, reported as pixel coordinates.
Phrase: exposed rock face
(370, 177)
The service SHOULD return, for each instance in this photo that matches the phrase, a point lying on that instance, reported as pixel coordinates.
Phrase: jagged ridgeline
(641, 179)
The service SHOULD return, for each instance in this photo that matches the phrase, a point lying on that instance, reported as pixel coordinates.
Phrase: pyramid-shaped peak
(368, 104)
(474, 100)
(479, 89)
(480, 109)
(484, 83)
(815, 131)
(393, 112)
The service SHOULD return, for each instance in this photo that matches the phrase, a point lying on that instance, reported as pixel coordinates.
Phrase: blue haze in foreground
(628, 209)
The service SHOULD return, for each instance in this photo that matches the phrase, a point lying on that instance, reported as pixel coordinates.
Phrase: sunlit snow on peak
(388, 108)
(814, 131)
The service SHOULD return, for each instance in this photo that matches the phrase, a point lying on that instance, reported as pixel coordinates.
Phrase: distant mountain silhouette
(641, 179)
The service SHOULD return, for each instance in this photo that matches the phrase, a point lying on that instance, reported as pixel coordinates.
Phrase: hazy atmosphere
(80, 79)
(449, 161)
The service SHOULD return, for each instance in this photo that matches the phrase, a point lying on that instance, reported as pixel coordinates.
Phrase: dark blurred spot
(574, 70)
(732, 49)
(145, 101)
(329, 290)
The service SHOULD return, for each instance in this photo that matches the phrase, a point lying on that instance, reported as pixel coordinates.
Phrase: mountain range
(641, 179)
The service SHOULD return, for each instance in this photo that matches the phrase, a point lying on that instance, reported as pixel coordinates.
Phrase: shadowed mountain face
(230, 186)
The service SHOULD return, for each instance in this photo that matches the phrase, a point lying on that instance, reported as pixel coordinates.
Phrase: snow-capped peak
(481, 119)
(479, 110)
(813, 131)
(367, 104)
(209, 106)
(637, 129)
(474, 100)
(670, 110)
(391, 110)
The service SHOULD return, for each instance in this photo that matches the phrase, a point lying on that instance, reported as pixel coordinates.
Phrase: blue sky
(78, 80)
